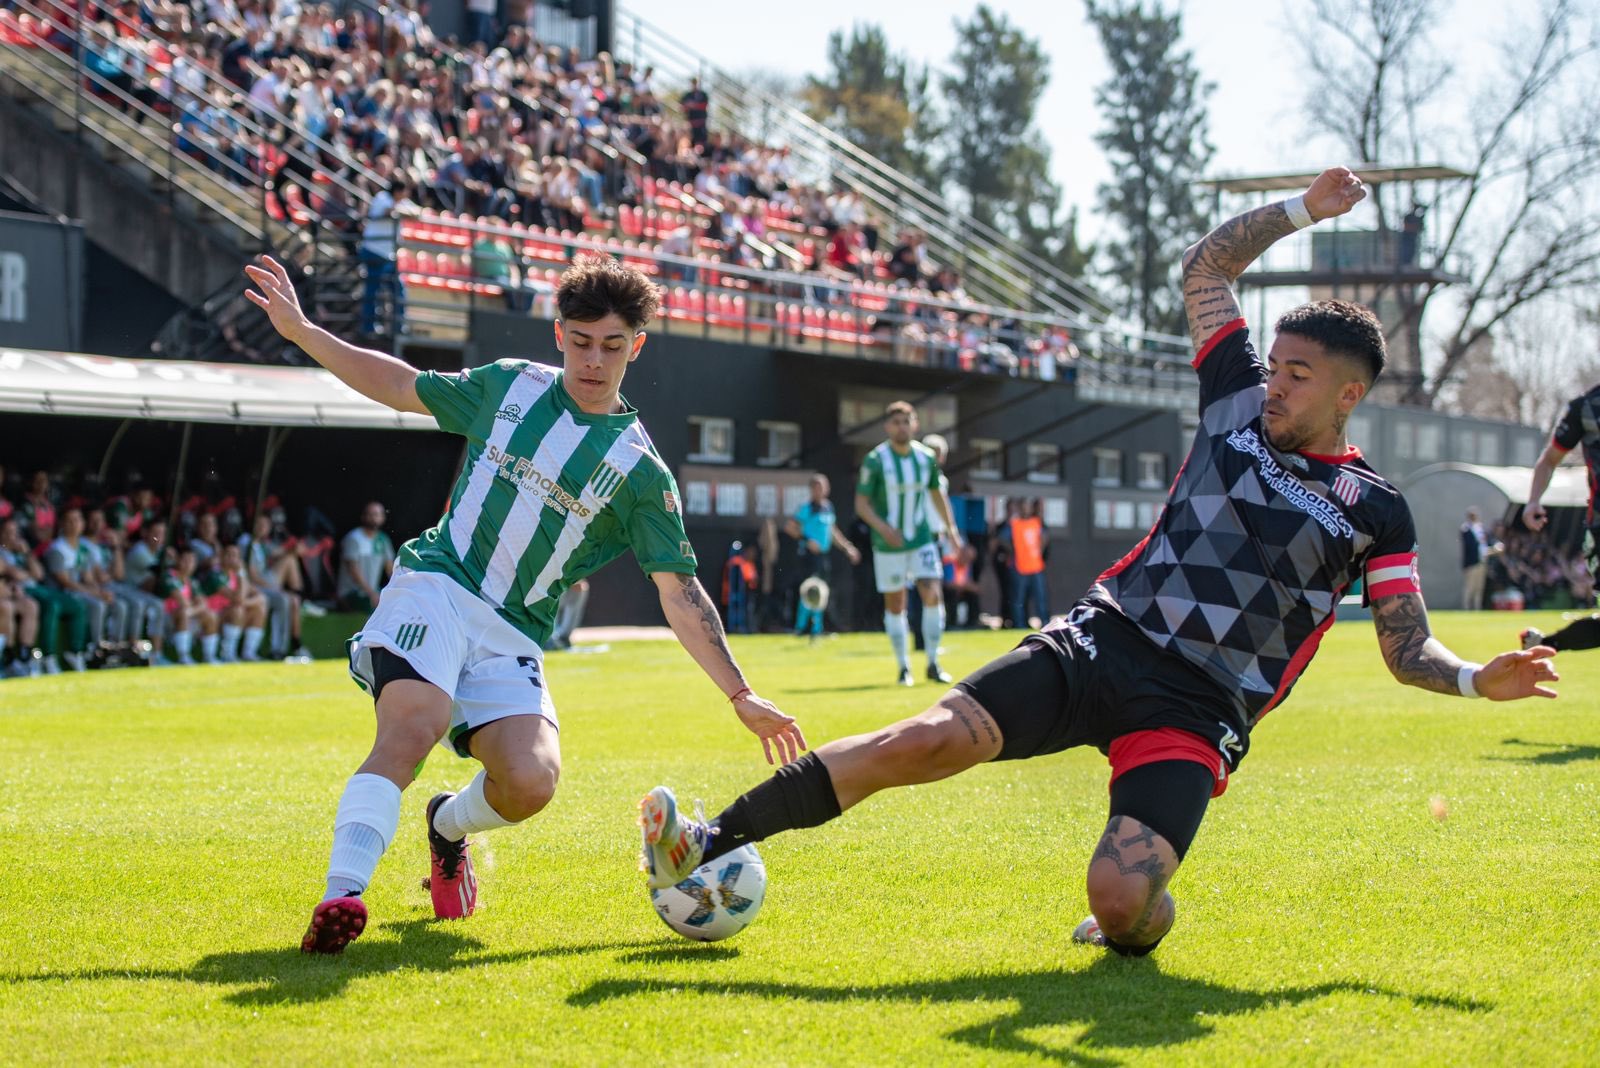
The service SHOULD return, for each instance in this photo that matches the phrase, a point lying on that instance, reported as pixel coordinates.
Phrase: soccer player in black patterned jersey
(1185, 643)
(1579, 425)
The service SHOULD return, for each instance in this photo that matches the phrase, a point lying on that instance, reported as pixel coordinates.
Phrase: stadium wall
(41, 282)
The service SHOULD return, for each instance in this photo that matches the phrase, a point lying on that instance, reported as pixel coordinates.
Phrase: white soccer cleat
(673, 846)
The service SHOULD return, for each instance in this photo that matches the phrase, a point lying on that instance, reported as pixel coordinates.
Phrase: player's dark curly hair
(1343, 328)
(594, 287)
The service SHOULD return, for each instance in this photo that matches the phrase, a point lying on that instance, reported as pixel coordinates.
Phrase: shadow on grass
(1123, 1005)
(287, 976)
(857, 688)
(1555, 752)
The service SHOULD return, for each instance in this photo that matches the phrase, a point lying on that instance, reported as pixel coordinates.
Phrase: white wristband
(1295, 208)
(1464, 680)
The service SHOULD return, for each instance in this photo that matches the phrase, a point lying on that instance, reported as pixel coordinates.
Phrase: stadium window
(1123, 515)
(780, 443)
(1404, 440)
(1466, 446)
(988, 458)
(697, 498)
(794, 497)
(1152, 470)
(1524, 450)
(1044, 462)
(1102, 514)
(766, 500)
(1430, 440)
(710, 439)
(732, 498)
(1489, 447)
(1107, 467)
(1055, 513)
(1146, 515)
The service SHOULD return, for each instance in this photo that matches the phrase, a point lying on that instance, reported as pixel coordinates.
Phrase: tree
(1154, 106)
(1518, 230)
(875, 98)
(992, 157)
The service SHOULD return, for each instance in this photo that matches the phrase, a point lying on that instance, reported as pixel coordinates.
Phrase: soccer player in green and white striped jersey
(560, 479)
(896, 492)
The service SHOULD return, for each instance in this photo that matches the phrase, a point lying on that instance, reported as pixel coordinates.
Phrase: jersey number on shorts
(531, 663)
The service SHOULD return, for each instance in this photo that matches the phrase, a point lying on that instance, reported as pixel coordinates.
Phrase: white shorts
(895, 571)
(490, 669)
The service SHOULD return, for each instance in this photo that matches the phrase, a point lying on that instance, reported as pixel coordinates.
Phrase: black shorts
(1097, 680)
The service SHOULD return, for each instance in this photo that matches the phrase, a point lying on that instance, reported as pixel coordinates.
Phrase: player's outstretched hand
(775, 729)
(1512, 676)
(276, 296)
(1335, 192)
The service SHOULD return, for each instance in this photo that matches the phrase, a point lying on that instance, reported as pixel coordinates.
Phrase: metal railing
(992, 260)
(800, 312)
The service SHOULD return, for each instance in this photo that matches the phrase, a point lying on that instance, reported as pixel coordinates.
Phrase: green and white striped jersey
(898, 485)
(548, 495)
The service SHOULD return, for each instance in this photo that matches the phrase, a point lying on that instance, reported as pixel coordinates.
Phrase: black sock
(799, 795)
(1584, 634)
(1131, 951)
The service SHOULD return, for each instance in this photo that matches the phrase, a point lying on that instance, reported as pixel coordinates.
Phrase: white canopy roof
(1569, 485)
(64, 383)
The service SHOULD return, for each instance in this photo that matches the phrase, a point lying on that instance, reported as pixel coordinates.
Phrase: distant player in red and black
(1579, 425)
(1185, 643)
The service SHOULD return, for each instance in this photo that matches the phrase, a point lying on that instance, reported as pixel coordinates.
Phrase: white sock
(230, 641)
(932, 630)
(252, 643)
(208, 647)
(363, 827)
(182, 642)
(467, 813)
(894, 623)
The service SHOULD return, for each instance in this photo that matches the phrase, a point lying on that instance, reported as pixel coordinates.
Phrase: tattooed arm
(1211, 265)
(1417, 658)
(694, 619)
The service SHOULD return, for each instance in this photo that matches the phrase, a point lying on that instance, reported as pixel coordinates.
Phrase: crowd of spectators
(1532, 571)
(90, 578)
(355, 117)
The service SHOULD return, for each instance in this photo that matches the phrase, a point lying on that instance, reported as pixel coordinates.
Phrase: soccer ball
(814, 594)
(717, 900)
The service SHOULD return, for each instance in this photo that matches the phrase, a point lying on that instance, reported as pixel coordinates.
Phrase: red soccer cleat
(452, 884)
(335, 923)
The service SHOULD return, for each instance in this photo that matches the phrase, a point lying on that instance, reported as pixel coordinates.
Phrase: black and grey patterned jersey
(1242, 571)
(1580, 424)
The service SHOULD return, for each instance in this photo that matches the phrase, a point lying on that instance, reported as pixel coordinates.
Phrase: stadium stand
(304, 114)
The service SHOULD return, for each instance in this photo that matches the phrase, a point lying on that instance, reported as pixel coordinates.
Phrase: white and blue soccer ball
(717, 900)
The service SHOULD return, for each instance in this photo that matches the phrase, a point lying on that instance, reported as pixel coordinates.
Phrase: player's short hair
(1343, 328)
(594, 287)
(899, 408)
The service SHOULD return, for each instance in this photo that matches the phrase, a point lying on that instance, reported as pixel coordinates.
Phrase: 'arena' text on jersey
(1255, 547)
(549, 493)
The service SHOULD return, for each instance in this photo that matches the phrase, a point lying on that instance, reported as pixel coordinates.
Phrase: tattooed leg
(952, 736)
(1128, 876)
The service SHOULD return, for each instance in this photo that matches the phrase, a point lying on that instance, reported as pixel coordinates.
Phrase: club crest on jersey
(605, 481)
(670, 499)
(1347, 487)
(511, 413)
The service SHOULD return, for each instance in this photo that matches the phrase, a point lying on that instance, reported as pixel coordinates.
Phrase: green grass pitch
(165, 833)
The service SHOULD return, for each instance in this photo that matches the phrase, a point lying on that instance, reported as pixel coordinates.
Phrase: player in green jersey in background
(898, 485)
(560, 479)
